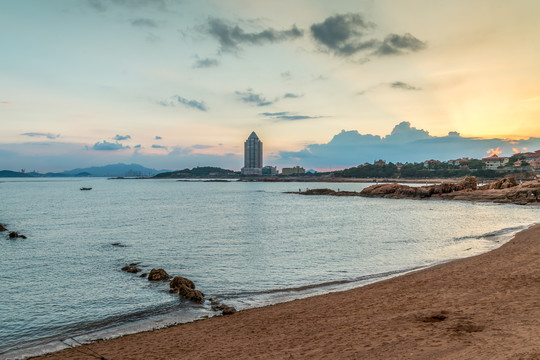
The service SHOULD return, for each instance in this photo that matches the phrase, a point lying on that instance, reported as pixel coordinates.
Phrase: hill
(204, 172)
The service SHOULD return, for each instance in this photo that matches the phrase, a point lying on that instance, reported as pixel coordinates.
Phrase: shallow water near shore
(245, 244)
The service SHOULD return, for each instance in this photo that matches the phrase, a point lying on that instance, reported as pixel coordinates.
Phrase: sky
(172, 84)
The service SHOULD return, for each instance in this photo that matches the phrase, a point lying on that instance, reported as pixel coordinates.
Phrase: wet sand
(483, 307)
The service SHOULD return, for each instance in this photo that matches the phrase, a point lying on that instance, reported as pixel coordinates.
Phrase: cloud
(405, 144)
(104, 5)
(404, 133)
(5, 102)
(205, 63)
(144, 22)
(344, 35)
(231, 38)
(395, 44)
(198, 146)
(175, 100)
(154, 146)
(292, 96)
(158, 138)
(108, 146)
(38, 134)
(288, 116)
(137, 146)
(403, 86)
(120, 137)
(286, 75)
(251, 98)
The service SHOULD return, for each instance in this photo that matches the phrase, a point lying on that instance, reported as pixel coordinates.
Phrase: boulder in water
(228, 310)
(191, 294)
(158, 275)
(131, 268)
(2, 227)
(178, 281)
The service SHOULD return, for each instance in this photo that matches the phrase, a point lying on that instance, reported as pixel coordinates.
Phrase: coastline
(484, 306)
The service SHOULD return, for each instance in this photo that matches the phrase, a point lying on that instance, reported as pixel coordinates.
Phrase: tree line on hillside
(419, 171)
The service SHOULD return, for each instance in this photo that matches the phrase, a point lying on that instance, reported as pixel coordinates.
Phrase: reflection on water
(247, 243)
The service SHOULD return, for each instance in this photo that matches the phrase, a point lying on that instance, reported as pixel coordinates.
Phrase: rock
(178, 281)
(504, 183)
(117, 244)
(158, 275)
(143, 275)
(22, 236)
(218, 307)
(13, 235)
(2, 227)
(228, 310)
(469, 183)
(191, 294)
(131, 268)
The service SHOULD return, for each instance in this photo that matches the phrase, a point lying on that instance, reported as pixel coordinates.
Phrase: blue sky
(175, 84)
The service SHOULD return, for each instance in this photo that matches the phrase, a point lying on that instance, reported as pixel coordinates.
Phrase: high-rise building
(253, 154)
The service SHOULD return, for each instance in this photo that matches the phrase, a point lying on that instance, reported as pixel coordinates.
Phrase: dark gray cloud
(403, 86)
(144, 22)
(395, 44)
(231, 38)
(206, 63)
(108, 146)
(158, 138)
(121, 137)
(154, 146)
(137, 146)
(39, 134)
(178, 100)
(251, 98)
(287, 116)
(345, 35)
(292, 96)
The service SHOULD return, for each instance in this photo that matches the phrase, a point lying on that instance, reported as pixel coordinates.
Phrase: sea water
(245, 244)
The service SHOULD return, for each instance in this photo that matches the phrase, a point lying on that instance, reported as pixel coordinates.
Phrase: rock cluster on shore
(504, 190)
(184, 287)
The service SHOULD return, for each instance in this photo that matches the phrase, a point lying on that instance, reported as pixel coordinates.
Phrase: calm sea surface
(245, 244)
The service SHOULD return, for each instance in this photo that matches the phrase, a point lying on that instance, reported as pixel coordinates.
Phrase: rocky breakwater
(505, 190)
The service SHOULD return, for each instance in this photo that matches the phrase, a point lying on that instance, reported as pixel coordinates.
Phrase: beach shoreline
(484, 307)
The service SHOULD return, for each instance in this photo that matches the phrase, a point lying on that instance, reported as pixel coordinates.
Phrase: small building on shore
(493, 162)
(297, 170)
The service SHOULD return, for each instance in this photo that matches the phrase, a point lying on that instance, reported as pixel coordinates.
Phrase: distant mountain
(204, 172)
(114, 170)
(11, 174)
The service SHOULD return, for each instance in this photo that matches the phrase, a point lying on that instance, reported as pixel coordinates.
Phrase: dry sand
(483, 307)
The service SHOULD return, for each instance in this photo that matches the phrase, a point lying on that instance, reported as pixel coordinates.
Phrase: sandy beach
(483, 307)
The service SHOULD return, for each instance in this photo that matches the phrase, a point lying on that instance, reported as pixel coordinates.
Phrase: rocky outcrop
(505, 190)
(504, 183)
(178, 281)
(225, 309)
(131, 268)
(191, 294)
(15, 235)
(2, 227)
(186, 289)
(158, 275)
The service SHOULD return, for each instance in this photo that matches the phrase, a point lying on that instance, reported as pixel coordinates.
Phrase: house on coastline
(532, 158)
(459, 162)
(494, 161)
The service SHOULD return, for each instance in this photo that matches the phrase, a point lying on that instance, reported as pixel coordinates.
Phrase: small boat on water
(86, 188)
